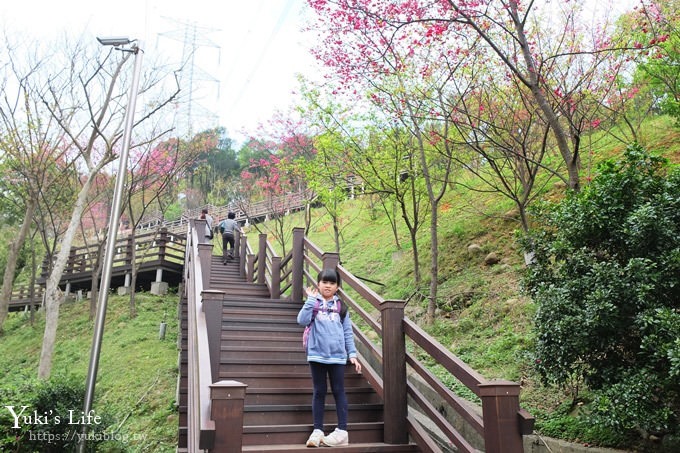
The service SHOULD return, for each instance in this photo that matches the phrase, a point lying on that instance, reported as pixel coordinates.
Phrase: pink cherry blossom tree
(360, 39)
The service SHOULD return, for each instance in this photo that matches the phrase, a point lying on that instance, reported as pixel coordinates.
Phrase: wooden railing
(22, 296)
(244, 211)
(153, 249)
(214, 407)
(159, 245)
(410, 390)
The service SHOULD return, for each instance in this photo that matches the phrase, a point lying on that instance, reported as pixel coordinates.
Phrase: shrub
(606, 280)
(45, 416)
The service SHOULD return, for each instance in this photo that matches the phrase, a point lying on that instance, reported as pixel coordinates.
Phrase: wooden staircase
(261, 347)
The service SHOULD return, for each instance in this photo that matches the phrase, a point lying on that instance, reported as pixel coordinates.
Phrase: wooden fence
(156, 252)
(396, 366)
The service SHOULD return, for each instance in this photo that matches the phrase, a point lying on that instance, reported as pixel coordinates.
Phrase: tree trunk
(12, 257)
(570, 159)
(417, 277)
(52, 292)
(434, 264)
(34, 271)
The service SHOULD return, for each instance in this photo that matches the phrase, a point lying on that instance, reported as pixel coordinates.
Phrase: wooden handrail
(214, 406)
(201, 427)
(502, 422)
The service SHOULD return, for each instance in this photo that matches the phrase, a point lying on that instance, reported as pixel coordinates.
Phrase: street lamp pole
(114, 219)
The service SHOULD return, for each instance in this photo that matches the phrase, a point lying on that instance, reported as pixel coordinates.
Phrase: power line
(241, 50)
(263, 52)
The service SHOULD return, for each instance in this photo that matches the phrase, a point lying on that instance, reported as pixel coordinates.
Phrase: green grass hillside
(137, 376)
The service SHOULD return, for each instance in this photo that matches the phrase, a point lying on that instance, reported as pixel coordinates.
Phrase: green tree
(656, 30)
(606, 280)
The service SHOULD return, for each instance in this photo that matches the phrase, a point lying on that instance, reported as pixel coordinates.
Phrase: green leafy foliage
(23, 259)
(49, 417)
(658, 68)
(563, 424)
(606, 279)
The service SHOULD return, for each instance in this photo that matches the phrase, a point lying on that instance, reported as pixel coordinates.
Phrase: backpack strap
(338, 302)
(343, 308)
(315, 310)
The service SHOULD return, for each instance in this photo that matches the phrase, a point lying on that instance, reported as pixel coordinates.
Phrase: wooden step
(240, 290)
(257, 330)
(269, 379)
(272, 314)
(255, 301)
(302, 413)
(263, 353)
(273, 367)
(259, 324)
(297, 435)
(290, 339)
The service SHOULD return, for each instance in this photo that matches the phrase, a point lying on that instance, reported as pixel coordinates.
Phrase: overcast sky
(247, 51)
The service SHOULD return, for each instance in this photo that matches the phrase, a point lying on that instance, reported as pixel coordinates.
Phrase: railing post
(200, 225)
(262, 258)
(211, 304)
(128, 251)
(330, 260)
(394, 371)
(276, 277)
(250, 268)
(243, 248)
(237, 242)
(45, 267)
(70, 264)
(162, 243)
(226, 410)
(205, 255)
(500, 412)
(298, 260)
(159, 286)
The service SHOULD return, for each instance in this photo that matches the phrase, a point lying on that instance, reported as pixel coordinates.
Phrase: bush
(564, 423)
(46, 416)
(606, 280)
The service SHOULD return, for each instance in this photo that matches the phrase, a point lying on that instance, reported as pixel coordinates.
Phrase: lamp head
(114, 40)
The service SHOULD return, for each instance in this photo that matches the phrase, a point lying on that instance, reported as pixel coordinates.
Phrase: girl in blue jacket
(330, 344)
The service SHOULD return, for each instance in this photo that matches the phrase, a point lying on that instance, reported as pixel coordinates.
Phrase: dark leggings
(336, 374)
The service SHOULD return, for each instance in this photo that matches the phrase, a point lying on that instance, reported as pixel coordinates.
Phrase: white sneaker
(315, 438)
(337, 438)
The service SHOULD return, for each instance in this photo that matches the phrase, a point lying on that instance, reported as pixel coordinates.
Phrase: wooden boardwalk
(158, 257)
(246, 212)
(153, 254)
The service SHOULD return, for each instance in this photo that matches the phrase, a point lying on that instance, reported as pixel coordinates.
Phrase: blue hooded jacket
(331, 339)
